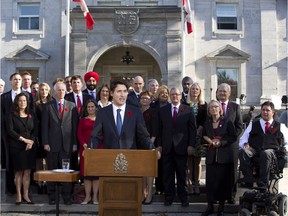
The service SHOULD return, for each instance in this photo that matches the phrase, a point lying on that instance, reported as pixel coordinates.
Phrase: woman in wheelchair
(262, 144)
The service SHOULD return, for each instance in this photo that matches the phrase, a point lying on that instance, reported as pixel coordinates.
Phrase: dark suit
(87, 92)
(219, 161)
(133, 100)
(61, 136)
(6, 107)
(175, 139)
(134, 134)
(233, 113)
(86, 97)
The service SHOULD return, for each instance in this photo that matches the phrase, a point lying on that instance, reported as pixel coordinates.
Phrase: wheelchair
(267, 200)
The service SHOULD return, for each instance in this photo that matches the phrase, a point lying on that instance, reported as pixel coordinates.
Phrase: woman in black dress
(218, 136)
(22, 131)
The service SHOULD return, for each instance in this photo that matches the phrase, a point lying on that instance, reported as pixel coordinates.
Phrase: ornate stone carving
(126, 21)
(120, 164)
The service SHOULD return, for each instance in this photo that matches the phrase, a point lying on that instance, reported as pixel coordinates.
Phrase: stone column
(269, 49)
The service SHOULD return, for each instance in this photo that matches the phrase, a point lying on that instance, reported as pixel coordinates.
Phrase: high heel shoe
(27, 202)
(85, 202)
(148, 201)
(95, 202)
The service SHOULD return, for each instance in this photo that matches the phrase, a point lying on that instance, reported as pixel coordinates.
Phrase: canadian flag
(188, 15)
(89, 19)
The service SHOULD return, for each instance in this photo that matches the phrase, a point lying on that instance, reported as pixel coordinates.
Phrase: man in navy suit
(177, 137)
(231, 111)
(120, 125)
(133, 97)
(91, 79)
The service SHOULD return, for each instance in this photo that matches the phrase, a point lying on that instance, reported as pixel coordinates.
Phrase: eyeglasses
(175, 94)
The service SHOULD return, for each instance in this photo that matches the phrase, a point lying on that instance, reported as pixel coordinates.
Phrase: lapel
(55, 108)
(127, 118)
(111, 119)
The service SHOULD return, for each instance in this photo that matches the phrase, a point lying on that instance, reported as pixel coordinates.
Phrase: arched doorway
(110, 67)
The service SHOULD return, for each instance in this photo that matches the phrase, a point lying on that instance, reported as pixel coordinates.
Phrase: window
(229, 76)
(29, 16)
(33, 71)
(226, 16)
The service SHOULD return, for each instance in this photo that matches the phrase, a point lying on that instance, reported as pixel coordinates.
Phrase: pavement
(196, 206)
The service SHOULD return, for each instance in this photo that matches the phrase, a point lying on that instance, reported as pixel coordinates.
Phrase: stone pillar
(78, 54)
(269, 48)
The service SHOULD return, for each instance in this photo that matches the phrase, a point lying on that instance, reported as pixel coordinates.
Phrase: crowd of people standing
(40, 129)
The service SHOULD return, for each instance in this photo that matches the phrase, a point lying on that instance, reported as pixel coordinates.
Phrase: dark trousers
(173, 163)
(54, 161)
(159, 180)
(262, 159)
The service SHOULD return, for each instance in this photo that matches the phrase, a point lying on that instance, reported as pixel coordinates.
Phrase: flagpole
(67, 39)
(183, 43)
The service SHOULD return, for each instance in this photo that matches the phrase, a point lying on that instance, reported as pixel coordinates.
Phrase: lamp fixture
(127, 58)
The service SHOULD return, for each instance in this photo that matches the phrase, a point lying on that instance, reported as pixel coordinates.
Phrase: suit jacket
(86, 91)
(57, 132)
(227, 132)
(6, 105)
(233, 113)
(134, 134)
(133, 100)
(179, 135)
(70, 97)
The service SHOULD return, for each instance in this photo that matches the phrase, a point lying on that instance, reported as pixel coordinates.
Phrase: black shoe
(67, 202)
(27, 202)
(18, 203)
(246, 185)
(261, 184)
(231, 201)
(52, 202)
(185, 204)
(209, 210)
(167, 203)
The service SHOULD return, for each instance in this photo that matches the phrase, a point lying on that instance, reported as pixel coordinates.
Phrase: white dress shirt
(172, 108)
(80, 96)
(244, 138)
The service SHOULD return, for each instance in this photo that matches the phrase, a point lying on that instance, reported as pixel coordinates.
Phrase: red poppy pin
(200, 106)
(33, 94)
(272, 129)
(182, 109)
(147, 114)
(128, 113)
(229, 106)
(66, 109)
(30, 116)
(221, 123)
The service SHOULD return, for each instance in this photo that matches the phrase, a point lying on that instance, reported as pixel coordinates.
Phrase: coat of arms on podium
(120, 164)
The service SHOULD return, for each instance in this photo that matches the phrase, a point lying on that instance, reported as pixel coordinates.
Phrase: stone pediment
(27, 53)
(228, 52)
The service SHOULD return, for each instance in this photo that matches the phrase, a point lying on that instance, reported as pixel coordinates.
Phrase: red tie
(267, 126)
(223, 108)
(60, 110)
(174, 114)
(79, 106)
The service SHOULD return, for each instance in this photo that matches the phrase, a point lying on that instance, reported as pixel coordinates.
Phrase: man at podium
(120, 125)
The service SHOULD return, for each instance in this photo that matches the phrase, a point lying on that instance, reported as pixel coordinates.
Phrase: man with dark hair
(26, 81)
(91, 79)
(120, 125)
(186, 84)
(258, 144)
(68, 84)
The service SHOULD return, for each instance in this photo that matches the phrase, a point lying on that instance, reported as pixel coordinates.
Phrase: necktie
(119, 121)
(92, 94)
(174, 114)
(223, 108)
(79, 105)
(267, 126)
(60, 110)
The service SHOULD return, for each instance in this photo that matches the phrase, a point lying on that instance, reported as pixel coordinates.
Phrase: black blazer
(134, 134)
(70, 97)
(177, 135)
(233, 113)
(133, 100)
(56, 132)
(227, 132)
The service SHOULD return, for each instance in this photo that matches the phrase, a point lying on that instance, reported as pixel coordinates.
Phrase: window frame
(30, 17)
(239, 12)
(16, 18)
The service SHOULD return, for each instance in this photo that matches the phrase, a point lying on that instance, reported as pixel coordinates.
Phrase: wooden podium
(120, 174)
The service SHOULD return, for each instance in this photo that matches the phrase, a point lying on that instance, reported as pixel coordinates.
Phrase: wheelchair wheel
(244, 212)
(272, 213)
(283, 205)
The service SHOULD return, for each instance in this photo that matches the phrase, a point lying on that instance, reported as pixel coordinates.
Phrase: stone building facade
(251, 54)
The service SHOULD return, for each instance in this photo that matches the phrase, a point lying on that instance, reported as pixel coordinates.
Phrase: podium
(120, 174)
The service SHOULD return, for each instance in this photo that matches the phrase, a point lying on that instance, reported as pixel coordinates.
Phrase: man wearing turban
(91, 79)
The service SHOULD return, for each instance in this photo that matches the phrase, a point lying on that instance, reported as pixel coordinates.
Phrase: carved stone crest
(120, 164)
(126, 21)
